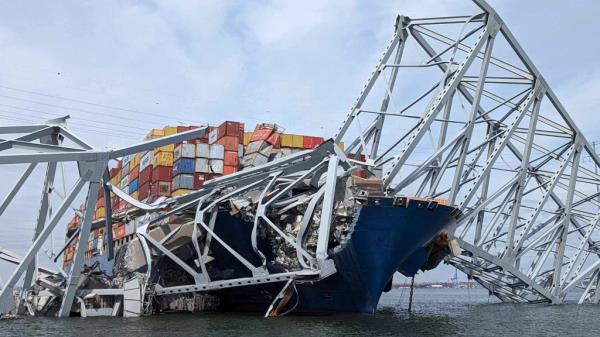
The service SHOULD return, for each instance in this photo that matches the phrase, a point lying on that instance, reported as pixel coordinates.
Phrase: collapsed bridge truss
(454, 109)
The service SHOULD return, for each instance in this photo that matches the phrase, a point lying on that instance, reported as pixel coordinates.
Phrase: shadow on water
(447, 312)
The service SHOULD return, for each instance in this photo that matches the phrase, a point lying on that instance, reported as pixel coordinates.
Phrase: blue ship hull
(386, 238)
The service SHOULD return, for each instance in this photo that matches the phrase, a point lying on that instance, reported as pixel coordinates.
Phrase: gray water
(436, 312)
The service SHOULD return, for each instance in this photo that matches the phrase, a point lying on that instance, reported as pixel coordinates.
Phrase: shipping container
(231, 158)
(286, 140)
(202, 150)
(180, 192)
(154, 133)
(136, 160)
(184, 150)
(169, 130)
(240, 150)
(146, 160)
(185, 181)
(216, 166)
(134, 173)
(118, 231)
(125, 160)
(227, 169)
(217, 151)
(201, 165)
(162, 173)
(312, 142)
(130, 227)
(297, 141)
(135, 195)
(213, 136)
(133, 185)
(144, 190)
(100, 213)
(114, 172)
(230, 143)
(183, 165)
(274, 139)
(166, 148)
(199, 179)
(254, 159)
(145, 175)
(261, 133)
(124, 183)
(162, 159)
(160, 188)
(124, 171)
(182, 128)
(247, 136)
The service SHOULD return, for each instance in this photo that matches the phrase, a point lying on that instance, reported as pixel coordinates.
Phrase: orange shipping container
(227, 169)
(312, 142)
(118, 231)
(230, 143)
(134, 173)
(231, 159)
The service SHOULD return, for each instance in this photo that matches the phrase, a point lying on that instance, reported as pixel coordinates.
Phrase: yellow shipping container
(116, 180)
(154, 133)
(136, 195)
(287, 140)
(247, 136)
(166, 148)
(297, 141)
(136, 160)
(341, 145)
(170, 130)
(100, 212)
(179, 192)
(162, 159)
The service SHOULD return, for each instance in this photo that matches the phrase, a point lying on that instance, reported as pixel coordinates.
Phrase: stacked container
(183, 168)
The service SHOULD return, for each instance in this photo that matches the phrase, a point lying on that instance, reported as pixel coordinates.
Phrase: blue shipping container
(133, 185)
(183, 165)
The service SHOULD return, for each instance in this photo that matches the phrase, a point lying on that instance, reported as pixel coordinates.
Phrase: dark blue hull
(386, 238)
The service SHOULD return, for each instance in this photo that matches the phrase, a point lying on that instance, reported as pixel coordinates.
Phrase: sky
(119, 68)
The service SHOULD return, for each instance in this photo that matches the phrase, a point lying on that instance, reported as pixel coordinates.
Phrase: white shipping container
(212, 136)
(124, 182)
(202, 165)
(217, 151)
(266, 150)
(254, 147)
(202, 150)
(183, 181)
(240, 150)
(146, 160)
(130, 227)
(216, 166)
(184, 151)
(285, 151)
(255, 159)
(126, 160)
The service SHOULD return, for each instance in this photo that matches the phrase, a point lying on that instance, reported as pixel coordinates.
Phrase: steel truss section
(467, 117)
(92, 165)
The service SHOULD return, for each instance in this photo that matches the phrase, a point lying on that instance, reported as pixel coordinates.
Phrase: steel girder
(466, 116)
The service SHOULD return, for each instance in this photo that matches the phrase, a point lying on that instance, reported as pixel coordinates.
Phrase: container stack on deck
(180, 168)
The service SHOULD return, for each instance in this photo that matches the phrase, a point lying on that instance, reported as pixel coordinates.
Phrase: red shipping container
(230, 143)
(228, 169)
(231, 158)
(261, 133)
(144, 190)
(312, 142)
(160, 188)
(114, 172)
(134, 173)
(182, 128)
(100, 192)
(162, 173)
(275, 140)
(100, 202)
(241, 134)
(145, 175)
(118, 231)
(199, 179)
(232, 128)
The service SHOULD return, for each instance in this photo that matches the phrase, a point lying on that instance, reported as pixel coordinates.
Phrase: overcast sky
(119, 68)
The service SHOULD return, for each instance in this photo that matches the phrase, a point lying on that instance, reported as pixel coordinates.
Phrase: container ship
(372, 237)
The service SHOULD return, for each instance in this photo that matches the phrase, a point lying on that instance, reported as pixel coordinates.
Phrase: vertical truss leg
(73, 280)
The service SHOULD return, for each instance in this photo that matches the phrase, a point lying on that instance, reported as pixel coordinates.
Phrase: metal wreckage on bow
(460, 134)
